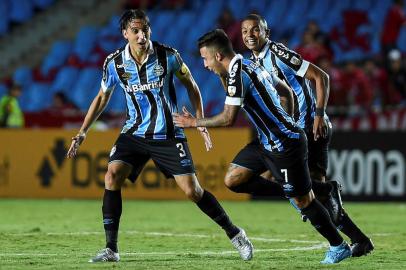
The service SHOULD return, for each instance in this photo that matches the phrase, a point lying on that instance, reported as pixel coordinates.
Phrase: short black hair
(130, 15)
(258, 18)
(218, 39)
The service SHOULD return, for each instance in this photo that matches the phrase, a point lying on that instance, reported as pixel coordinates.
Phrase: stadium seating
(85, 42)
(57, 56)
(4, 17)
(77, 63)
(64, 80)
(23, 76)
(85, 87)
(36, 97)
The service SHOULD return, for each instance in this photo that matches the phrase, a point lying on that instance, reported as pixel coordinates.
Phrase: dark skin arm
(322, 83)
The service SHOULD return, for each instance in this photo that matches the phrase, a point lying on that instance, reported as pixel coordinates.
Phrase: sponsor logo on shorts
(288, 187)
(185, 162)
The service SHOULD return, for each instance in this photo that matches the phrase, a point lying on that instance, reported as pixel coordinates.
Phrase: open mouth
(251, 41)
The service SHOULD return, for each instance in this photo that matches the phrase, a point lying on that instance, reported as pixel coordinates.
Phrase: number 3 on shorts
(182, 151)
(285, 174)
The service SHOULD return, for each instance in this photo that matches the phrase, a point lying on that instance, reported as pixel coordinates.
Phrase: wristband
(320, 112)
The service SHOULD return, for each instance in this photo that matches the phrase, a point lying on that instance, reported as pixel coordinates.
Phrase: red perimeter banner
(33, 165)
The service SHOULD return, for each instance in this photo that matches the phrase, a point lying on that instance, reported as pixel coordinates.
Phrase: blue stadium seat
(318, 10)
(86, 87)
(291, 19)
(255, 6)
(64, 80)
(57, 56)
(107, 38)
(114, 22)
(3, 89)
(182, 24)
(238, 8)
(402, 40)
(362, 5)
(85, 42)
(4, 17)
(42, 4)
(36, 97)
(160, 27)
(277, 11)
(21, 10)
(23, 76)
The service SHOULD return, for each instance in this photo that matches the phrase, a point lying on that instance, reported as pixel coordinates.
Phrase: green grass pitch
(64, 234)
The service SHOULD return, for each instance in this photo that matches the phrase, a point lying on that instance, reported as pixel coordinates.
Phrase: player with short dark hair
(283, 142)
(310, 86)
(144, 69)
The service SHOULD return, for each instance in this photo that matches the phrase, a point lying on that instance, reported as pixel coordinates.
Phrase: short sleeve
(290, 59)
(109, 79)
(175, 60)
(235, 88)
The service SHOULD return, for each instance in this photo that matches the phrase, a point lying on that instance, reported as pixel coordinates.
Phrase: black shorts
(318, 151)
(290, 167)
(250, 157)
(172, 156)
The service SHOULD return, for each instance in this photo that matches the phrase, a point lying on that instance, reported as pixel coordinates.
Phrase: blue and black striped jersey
(250, 86)
(149, 90)
(291, 68)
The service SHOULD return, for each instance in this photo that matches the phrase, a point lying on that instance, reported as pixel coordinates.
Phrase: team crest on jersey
(113, 150)
(231, 90)
(126, 76)
(294, 60)
(158, 70)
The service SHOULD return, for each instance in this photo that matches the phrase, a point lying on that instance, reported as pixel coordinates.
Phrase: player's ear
(124, 32)
(218, 56)
(267, 33)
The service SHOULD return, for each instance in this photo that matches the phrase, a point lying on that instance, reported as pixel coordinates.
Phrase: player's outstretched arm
(98, 105)
(322, 82)
(223, 119)
(195, 97)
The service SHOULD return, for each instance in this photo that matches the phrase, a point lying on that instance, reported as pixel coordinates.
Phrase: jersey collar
(127, 55)
(235, 58)
(264, 50)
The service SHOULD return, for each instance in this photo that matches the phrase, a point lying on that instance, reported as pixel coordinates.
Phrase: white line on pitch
(171, 253)
(261, 239)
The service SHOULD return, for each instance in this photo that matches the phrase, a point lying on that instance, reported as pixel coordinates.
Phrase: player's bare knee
(112, 180)
(304, 201)
(194, 193)
(229, 181)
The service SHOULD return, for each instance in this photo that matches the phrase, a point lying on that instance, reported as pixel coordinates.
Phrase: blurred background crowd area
(52, 52)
